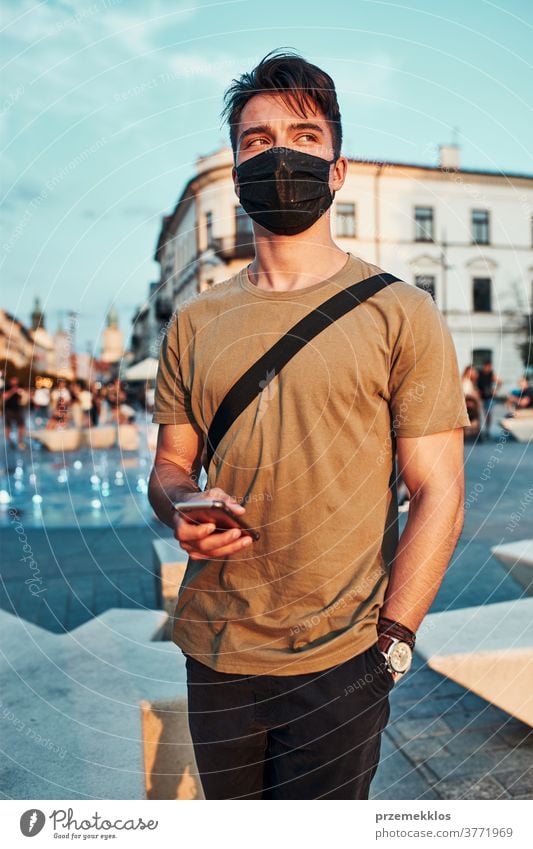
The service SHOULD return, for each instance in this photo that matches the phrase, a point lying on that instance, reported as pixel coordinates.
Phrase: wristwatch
(396, 652)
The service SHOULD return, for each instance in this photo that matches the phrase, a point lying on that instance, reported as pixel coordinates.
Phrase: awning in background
(144, 370)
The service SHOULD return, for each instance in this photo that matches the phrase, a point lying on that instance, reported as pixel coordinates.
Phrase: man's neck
(291, 263)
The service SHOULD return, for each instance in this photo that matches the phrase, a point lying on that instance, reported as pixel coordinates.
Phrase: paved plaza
(442, 740)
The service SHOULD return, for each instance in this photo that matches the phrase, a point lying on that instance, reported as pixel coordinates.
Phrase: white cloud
(367, 76)
(204, 67)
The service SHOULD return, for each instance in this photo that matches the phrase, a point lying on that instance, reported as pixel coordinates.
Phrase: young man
(288, 682)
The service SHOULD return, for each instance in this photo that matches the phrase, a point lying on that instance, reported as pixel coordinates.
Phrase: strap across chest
(253, 381)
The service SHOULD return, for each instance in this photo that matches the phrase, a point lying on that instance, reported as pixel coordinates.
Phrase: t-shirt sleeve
(426, 393)
(172, 402)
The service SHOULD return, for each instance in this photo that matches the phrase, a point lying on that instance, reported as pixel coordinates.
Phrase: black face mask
(285, 190)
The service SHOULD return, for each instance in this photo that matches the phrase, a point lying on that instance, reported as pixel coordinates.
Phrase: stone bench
(128, 437)
(520, 425)
(517, 557)
(102, 437)
(60, 439)
(487, 649)
(170, 562)
(72, 438)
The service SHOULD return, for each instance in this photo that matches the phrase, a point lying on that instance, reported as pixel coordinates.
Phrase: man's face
(266, 121)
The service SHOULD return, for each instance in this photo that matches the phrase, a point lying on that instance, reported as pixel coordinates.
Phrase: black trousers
(310, 736)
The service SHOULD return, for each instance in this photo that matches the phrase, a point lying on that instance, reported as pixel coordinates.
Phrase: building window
(423, 223)
(426, 282)
(209, 228)
(480, 356)
(345, 220)
(482, 294)
(243, 227)
(480, 227)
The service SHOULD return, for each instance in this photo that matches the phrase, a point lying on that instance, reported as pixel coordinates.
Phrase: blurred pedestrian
(86, 400)
(75, 409)
(61, 399)
(41, 403)
(488, 383)
(469, 382)
(116, 396)
(149, 397)
(96, 404)
(15, 400)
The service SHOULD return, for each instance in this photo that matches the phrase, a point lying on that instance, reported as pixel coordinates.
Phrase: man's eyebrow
(307, 125)
(266, 128)
(259, 128)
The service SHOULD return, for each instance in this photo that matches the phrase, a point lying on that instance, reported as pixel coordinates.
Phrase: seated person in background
(126, 414)
(520, 398)
(525, 401)
(116, 397)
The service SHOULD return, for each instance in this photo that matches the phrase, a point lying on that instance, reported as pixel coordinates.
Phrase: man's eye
(255, 140)
(307, 136)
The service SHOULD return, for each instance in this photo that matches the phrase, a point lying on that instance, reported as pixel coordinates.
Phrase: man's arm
(174, 477)
(176, 468)
(433, 470)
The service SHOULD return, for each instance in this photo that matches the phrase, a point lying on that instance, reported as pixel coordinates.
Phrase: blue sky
(105, 106)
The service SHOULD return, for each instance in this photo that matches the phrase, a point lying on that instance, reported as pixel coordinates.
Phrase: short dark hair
(285, 72)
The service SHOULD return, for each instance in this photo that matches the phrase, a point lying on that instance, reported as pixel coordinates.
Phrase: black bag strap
(253, 381)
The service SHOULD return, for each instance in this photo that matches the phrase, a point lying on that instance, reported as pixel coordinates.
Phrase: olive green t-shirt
(311, 460)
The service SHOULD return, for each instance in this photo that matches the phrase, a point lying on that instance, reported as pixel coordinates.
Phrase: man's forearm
(422, 556)
(168, 483)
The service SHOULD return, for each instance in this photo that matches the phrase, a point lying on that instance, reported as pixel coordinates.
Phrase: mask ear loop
(331, 162)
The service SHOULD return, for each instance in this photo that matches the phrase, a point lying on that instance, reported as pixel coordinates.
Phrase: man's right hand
(202, 541)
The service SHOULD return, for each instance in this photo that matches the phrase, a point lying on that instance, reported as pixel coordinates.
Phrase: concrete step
(488, 649)
(520, 426)
(71, 704)
(517, 557)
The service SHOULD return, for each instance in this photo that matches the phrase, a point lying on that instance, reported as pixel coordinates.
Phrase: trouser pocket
(380, 677)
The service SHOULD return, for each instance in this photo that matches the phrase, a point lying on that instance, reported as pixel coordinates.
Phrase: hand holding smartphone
(214, 512)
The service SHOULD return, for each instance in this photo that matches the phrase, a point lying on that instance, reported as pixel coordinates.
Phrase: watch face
(400, 657)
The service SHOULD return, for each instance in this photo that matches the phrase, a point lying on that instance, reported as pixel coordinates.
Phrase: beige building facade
(464, 235)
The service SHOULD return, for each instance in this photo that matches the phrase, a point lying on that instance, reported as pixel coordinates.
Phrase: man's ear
(235, 182)
(340, 169)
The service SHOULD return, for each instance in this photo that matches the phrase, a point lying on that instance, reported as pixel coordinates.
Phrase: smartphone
(217, 512)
